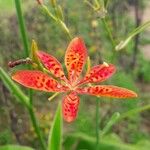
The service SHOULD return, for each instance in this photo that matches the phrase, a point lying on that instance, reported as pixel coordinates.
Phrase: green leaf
(13, 88)
(15, 147)
(112, 141)
(54, 140)
(134, 111)
(136, 31)
(110, 123)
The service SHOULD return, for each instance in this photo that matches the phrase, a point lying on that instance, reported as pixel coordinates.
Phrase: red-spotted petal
(108, 91)
(75, 58)
(38, 80)
(52, 64)
(99, 73)
(70, 107)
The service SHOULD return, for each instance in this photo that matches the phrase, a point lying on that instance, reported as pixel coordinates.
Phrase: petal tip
(69, 119)
(14, 76)
(135, 95)
(78, 38)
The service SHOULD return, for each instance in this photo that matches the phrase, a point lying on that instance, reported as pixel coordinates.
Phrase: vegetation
(114, 32)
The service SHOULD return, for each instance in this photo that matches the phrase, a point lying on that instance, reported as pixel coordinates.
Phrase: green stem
(36, 126)
(26, 50)
(22, 27)
(97, 123)
(109, 33)
(58, 20)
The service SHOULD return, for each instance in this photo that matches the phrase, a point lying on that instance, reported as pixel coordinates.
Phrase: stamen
(105, 64)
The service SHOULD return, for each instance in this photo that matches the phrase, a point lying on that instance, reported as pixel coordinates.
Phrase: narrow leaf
(134, 111)
(13, 88)
(136, 31)
(15, 147)
(110, 123)
(54, 140)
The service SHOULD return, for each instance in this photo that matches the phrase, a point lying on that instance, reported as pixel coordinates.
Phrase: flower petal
(99, 73)
(52, 64)
(75, 58)
(38, 80)
(70, 107)
(108, 91)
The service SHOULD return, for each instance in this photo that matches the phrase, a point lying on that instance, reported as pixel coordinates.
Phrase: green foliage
(14, 147)
(6, 5)
(84, 117)
(142, 70)
(125, 80)
(13, 88)
(112, 141)
(136, 31)
(79, 19)
(114, 118)
(5, 137)
(54, 140)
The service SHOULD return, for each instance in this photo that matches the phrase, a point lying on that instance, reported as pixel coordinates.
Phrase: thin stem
(97, 123)
(48, 12)
(36, 127)
(22, 27)
(53, 96)
(26, 50)
(89, 4)
(110, 36)
(109, 33)
(58, 20)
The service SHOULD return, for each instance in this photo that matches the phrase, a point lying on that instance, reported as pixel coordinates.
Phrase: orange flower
(75, 58)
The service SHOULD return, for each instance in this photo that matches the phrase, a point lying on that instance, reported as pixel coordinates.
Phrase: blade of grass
(136, 31)
(130, 113)
(13, 88)
(15, 147)
(134, 111)
(117, 145)
(119, 117)
(110, 123)
(54, 140)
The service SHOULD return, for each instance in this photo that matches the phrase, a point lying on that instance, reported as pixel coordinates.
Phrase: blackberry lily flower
(75, 58)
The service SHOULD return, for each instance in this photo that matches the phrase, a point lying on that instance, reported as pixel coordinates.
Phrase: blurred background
(133, 71)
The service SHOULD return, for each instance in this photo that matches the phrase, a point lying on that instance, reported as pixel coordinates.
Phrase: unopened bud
(53, 2)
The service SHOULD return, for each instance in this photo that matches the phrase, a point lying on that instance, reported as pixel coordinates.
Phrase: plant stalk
(97, 123)
(36, 127)
(26, 51)
(109, 33)
(110, 36)
(58, 20)
(22, 27)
